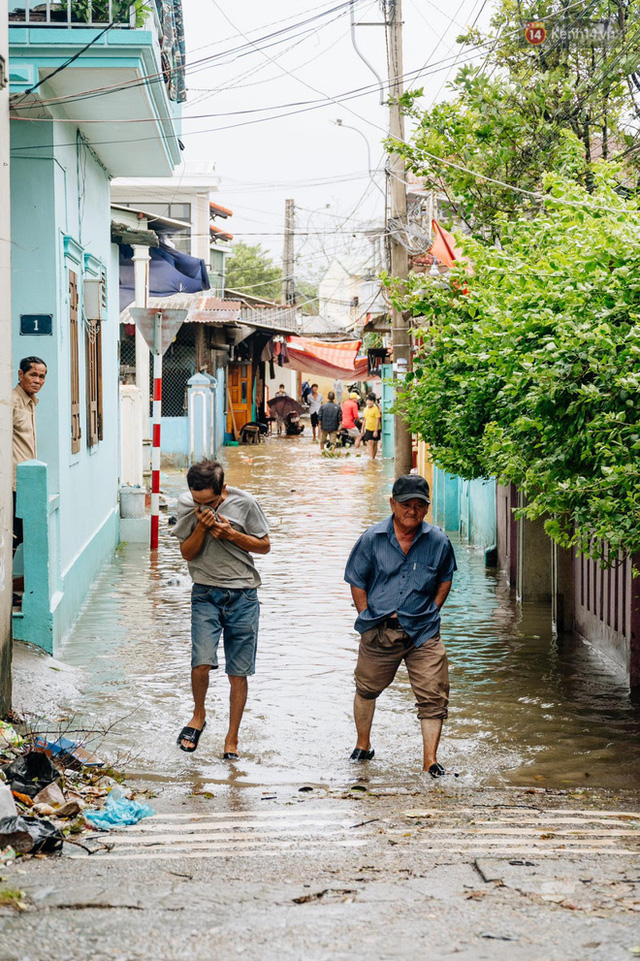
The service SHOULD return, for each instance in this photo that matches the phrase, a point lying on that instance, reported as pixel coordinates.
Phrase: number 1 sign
(36, 324)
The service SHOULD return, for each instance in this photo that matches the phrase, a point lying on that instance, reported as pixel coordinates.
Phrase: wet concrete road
(531, 854)
(526, 708)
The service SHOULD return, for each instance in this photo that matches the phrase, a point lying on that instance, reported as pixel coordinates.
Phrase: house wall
(465, 507)
(336, 291)
(284, 375)
(6, 385)
(478, 511)
(60, 222)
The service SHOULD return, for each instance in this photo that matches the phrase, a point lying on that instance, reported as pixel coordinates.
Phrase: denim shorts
(232, 612)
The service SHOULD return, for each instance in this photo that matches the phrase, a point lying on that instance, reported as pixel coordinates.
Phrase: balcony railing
(80, 13)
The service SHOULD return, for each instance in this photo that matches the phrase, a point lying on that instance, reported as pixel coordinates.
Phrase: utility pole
(288, 255)
(399, 258)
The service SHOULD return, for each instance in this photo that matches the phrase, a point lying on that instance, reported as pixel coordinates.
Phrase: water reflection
(525, 708)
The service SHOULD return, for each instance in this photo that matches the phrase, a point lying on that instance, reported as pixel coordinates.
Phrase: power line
(159, 76)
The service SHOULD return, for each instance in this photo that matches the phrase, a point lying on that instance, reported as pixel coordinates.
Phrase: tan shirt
(24, 428)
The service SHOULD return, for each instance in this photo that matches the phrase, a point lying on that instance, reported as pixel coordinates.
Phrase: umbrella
(283, 405)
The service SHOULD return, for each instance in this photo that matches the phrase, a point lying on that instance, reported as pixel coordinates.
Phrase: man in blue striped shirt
(400, 572)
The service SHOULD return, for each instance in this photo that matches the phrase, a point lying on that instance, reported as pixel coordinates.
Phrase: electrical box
(95, 298)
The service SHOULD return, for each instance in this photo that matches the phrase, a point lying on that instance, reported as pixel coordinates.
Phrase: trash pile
(45, 786)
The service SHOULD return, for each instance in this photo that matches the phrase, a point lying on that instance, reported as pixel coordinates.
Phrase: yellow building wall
(425, 469)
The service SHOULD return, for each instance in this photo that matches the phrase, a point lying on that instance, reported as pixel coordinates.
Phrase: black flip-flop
(437, 770)
(190, 734)
(358, 754)
(230, 756)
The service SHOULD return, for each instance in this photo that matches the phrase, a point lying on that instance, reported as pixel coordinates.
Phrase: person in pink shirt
(351, 417)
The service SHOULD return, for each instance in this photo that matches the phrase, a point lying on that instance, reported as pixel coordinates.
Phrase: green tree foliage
(530, 367)
(493, 130)
(530, 109)
(250, 270)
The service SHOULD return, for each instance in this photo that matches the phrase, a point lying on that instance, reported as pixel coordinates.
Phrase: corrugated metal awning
(208, 309)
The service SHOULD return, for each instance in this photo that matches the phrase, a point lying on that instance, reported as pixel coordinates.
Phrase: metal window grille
(178, 365)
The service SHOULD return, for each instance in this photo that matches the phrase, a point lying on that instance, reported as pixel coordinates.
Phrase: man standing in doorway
(400, 572)
(371, 424)
(330, 416)
(31, 378)
(314, 400)
(219, 528)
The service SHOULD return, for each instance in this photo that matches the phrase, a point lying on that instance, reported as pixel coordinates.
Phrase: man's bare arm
(442, 593)
(359, 598)
(192, 545)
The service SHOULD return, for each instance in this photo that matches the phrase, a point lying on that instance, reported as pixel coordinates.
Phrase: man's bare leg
(199, 686)
(431, 730)
(363, 711)
(237, 701)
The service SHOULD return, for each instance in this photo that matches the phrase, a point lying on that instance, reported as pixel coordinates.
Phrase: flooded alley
(293, 851)
(526, 707)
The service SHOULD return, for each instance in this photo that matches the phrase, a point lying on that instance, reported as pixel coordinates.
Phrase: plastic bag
(7, 804)
(8, 736)
(118, 812)
(30, 835)
(30, 773)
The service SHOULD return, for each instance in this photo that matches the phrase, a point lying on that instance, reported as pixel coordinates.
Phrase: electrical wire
(194, 67)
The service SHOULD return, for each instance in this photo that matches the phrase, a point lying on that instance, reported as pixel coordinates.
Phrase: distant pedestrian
(281, 392)
(31, 377)
(314, 400)
(400, 572)
(305, 390)
(330, 417)
(371, 425)
(338, 390)
(351, 418)
(219, 528)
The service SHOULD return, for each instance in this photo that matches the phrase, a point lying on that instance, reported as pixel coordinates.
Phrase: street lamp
(347, 126)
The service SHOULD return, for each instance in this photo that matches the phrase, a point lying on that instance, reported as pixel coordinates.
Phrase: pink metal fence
(607, 609)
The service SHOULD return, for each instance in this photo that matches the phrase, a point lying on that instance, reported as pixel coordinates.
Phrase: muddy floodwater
(526, 707)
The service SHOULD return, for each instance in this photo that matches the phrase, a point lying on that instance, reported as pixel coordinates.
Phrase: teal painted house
(90, 101)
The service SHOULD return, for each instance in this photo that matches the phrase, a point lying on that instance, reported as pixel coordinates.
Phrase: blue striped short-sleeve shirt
(401, 583)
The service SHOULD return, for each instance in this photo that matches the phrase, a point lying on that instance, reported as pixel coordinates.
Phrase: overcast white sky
(234, 73)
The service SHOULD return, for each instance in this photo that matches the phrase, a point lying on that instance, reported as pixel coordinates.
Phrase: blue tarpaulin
(170, 272)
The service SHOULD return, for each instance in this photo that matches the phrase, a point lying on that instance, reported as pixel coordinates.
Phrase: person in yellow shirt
(371, 425)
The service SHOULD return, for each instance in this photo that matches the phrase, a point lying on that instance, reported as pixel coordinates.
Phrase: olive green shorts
(383, 648)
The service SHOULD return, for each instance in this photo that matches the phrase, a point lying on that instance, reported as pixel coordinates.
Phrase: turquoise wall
(61, 222)
(478, 511)
(466, 507)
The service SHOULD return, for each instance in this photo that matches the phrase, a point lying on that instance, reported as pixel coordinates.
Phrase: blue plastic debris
(118, 812)
(67, 750)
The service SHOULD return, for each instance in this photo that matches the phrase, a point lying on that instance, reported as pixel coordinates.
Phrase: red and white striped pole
(155, 445)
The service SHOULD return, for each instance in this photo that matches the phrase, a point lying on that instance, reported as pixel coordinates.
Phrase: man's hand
(206, 517)
(221, 529)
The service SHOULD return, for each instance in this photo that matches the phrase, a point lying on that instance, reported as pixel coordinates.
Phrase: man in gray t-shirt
(218, 527)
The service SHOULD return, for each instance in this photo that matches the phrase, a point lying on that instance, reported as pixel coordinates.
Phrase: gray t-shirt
(220, 563)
